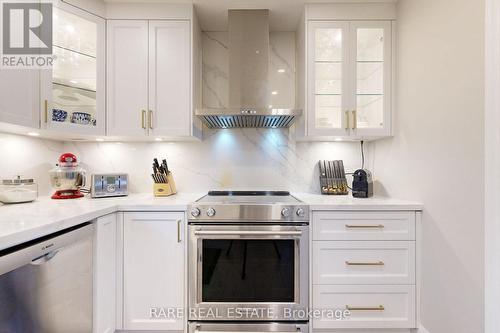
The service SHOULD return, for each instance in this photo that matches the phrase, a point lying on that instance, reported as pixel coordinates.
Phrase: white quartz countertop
(20, 223)
(347, 202)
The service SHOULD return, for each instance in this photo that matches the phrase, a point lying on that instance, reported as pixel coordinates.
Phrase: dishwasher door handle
(45, 258)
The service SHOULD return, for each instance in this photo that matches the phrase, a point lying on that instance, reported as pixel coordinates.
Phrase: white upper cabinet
(19, 97)
(127, 77)
(371, 64)
(349, 78)
(150, 78)
(169, 78)
(346, 63)
(328, 78)
(73, 91)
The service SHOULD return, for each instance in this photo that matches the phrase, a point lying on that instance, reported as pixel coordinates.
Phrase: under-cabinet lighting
(338, 139)
(158, 139)
(274, 93)
(99, 139)
(281, 70)
(33, 134)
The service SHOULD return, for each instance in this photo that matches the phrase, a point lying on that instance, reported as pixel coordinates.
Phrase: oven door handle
(246, 233)
(198, 330)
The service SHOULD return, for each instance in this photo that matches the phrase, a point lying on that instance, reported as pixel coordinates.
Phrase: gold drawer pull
(347, 120)
(360, 308)
(374, 226)
(150, 119)
(46, 105)
(362, 263)
(143, 119)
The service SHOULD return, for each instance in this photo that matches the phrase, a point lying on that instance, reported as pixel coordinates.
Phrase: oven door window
(244, 271)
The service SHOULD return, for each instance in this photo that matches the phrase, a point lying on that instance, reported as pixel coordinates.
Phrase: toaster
(362, 184)
(109, 185)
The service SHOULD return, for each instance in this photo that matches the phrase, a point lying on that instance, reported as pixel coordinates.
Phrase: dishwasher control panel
(109, 185)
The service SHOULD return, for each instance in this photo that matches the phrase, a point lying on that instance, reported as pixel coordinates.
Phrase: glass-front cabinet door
(371, 64)
(72, 92)
(327, 78)
(349, 78)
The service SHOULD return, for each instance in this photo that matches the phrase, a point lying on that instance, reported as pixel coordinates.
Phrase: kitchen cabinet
(72, 93)
(105, 258)
(367, 262)
(346, 71)
(153, 269)
(150, 78)
(349, 78)
(19, 97)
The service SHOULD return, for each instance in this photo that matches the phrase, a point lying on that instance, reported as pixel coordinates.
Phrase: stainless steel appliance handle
(201, 331)
(45, 258)
(247, 233)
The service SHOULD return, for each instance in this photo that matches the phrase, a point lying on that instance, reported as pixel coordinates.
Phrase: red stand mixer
(67, 178)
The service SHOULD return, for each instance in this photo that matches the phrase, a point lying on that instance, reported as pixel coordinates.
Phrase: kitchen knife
(157, 165)
(165, 166)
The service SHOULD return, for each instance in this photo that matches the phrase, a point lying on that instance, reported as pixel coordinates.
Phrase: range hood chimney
(249, 93)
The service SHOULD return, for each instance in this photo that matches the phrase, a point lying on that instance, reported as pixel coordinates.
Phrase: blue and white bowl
(59, 115)
(81, 118)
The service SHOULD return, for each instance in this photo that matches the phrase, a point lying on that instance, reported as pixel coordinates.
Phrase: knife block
(165, 189)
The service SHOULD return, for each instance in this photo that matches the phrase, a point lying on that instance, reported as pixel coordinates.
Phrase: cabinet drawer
(355, 262)
(363, 226)
(370, 306)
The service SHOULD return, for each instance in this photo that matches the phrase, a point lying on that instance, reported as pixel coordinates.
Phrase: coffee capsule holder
(332, 178)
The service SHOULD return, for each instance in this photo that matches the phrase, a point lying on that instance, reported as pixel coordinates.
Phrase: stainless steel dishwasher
(46, 284)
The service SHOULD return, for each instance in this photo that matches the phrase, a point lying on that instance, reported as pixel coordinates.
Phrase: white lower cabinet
(381, 306)
(365, 262)
(153, 269)
(373, 262)
(105, 274)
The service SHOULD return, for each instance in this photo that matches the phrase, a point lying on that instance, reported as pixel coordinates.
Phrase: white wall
(437, 154)
(492, 168)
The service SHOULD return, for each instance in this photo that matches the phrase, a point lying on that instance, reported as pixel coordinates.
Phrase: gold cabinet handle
(364, 263)
(179, 222)
(374, 226)
(46, 112)
(354, 120)
(347, 120)
(150, 120)
(363, 308)
(143, 119)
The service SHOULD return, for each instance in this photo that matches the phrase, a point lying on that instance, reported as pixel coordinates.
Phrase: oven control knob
(195, 212)
(285, 212)
(211, 212)
(301, 212)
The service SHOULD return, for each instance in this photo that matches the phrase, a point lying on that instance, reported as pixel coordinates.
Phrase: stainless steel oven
(241, 272)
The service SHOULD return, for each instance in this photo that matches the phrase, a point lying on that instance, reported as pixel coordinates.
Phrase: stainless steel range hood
(249, 93)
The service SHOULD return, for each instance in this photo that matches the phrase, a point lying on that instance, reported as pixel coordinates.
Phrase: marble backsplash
(237, 159)
(215, 75)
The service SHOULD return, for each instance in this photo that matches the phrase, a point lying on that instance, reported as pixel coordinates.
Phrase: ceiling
(284, 15)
